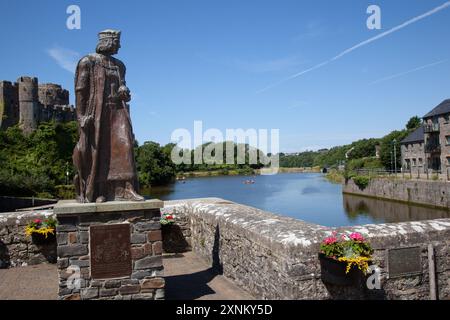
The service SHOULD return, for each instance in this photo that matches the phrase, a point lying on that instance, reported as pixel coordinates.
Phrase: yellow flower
(44, 231)
(361, 262)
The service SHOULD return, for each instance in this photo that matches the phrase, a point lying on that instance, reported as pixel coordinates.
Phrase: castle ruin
(27, 103)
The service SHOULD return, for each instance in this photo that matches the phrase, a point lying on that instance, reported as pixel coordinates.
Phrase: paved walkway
(190, 278)
(187, 277)
(38, 282)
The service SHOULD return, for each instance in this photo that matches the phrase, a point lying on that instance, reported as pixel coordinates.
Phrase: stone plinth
(99, 258)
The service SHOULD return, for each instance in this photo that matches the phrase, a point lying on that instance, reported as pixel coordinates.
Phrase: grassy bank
(335, 176)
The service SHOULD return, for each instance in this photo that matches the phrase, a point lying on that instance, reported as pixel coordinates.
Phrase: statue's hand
(124, 93)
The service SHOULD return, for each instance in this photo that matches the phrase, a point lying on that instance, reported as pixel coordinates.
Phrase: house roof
(415, 136)
(442, 108)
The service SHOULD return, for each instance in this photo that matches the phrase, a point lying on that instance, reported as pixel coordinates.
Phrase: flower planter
(40, 239)
(333, 272)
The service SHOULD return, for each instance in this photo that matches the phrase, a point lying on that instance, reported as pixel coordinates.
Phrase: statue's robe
(104, 153)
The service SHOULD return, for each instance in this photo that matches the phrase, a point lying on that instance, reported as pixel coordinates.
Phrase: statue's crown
(108, 34)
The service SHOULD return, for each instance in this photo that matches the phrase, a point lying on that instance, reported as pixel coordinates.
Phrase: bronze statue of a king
(104, 157)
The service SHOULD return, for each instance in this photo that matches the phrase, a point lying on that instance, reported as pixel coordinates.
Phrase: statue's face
(115, 45)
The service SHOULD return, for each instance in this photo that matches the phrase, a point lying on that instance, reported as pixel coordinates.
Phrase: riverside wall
(422, 192)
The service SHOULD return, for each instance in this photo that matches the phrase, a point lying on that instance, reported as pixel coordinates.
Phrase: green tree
(154, 164)
(388, 144)
(414, 123)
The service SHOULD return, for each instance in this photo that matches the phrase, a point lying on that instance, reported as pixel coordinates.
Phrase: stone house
(427, 149)
(413, 151)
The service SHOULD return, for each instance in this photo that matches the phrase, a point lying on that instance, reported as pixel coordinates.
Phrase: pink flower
(37, 221)
(330, 240)
(355, 236)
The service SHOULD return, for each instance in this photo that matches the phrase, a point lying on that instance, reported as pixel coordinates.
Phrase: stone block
(141, 274)
(147, 226)
(154, 283)
(148, 263)
(72, 250)
(72, 237)
(89, 293)
(62, 263)
(137, 238)
(154, 235)
(108, 292)
(84, 237)
(159, 294)
(113, 283)
(142, 296)
(79, 263)
(137, 253)
(129, 289)
(157, 248)
(66, 228)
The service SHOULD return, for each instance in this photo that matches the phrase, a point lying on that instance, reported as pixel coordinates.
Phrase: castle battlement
(27, 103)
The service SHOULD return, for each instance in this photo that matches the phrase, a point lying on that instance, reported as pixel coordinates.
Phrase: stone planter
(333, 272)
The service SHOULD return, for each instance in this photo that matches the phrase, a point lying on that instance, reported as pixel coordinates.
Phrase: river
(305, 196)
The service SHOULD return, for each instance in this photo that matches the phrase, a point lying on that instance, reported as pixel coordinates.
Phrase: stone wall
(146, 280)
(275, 257)
(16, 248)
(430, 193)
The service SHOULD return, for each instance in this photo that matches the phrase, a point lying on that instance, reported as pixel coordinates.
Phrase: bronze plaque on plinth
(404, 262)
(110, 250)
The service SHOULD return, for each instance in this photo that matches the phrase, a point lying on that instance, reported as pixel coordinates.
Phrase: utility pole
(67, 173)
(392, 165)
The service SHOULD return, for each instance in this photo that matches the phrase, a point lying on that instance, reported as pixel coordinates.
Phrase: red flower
(37, 221)
(330, 240)
(355, 236)
(169, 217)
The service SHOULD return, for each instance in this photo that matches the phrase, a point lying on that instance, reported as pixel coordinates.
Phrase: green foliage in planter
(361, 181)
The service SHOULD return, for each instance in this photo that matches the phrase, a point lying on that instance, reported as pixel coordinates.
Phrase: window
(420, 161)
(448, 160)
(447, 118)
(414, 162)
(447, 140)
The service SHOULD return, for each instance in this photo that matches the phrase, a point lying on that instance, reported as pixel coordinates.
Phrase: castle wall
(51, 94)
(28, 103)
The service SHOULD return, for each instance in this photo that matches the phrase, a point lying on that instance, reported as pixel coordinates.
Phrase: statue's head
(108, 42)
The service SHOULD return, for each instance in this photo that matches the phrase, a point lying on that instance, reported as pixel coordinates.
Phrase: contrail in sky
(361, 44)
(408, 72)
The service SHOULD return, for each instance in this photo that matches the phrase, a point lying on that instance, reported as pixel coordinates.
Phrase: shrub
(361, 181)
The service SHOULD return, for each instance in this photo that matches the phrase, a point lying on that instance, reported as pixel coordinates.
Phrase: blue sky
(211, 61)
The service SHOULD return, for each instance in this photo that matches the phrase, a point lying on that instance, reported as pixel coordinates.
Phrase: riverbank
(244, 172)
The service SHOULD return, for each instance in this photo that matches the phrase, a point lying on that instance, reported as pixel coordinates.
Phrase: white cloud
(65, 58)
(362, 44)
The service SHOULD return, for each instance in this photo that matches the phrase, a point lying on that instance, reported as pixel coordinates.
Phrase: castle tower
(28, 103)
(9, 105)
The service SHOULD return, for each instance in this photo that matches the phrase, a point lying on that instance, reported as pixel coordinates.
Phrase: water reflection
(305, 196)
(388, 211)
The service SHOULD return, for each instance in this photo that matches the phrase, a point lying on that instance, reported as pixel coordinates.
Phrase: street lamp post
(395, 156)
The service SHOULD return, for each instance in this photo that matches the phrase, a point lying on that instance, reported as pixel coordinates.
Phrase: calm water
(308, 197)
